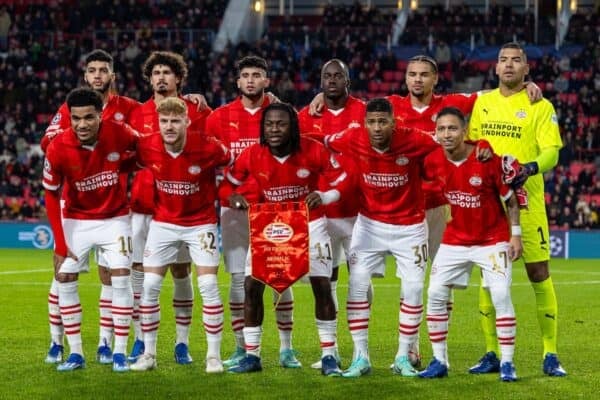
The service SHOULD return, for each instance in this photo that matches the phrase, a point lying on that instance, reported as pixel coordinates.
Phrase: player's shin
(358, 311)
(150, 310)
(437, 320)
(70, 309)
(122, 310)
(284, 313)
(183, 302)
(212, 313)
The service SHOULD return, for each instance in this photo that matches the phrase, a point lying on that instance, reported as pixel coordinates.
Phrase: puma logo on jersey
(485, 111)
(551, 316)
(317, 127)
(484, 314)
(234, 125)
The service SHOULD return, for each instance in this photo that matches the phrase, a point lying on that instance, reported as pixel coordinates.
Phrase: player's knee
(502, 300)
(254, 290)
(412, 292)
(121, 282)
(237, 283)
(152, 286)
(62, 277)
(538, 271)
(286, 296)
(320, 286)
(437, 298)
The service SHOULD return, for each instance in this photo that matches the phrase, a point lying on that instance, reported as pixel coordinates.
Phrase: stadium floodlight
(258, 6)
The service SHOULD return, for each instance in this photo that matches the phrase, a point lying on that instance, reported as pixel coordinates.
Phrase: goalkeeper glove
(525, 171)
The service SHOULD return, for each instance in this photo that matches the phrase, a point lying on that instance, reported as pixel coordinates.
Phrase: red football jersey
(142, 192)
(238, 129)
(144, 118)
(474, 190)
(91, 172)
(330, 122)
(291, 178)
(389, 181)
(407, 115)
(118, 108)
(185, 189)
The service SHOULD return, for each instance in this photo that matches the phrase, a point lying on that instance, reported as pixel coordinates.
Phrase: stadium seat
(388, 76)
(374, 86)
(575, 168)
(399, 76)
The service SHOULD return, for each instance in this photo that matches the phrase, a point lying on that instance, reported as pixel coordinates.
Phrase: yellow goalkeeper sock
(487, 317)
(547, 313)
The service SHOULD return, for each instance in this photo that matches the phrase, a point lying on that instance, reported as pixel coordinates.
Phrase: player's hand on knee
(58, 260)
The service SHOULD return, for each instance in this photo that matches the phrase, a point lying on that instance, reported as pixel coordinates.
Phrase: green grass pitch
(25, 276)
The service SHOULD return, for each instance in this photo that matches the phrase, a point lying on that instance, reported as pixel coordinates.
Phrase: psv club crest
(278, 232)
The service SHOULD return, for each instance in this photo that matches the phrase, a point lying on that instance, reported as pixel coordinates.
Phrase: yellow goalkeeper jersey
(512, 125)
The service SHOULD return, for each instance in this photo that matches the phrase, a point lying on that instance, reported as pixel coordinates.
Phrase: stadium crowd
(42, 45)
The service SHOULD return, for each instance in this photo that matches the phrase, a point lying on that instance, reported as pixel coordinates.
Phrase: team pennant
(279, 243)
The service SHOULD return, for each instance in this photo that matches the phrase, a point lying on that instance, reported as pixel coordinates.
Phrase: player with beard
(418, 109)
(166, 72)
(287, 167)
(341, 111)
(99, 75)
(237, 125)
(530, 132)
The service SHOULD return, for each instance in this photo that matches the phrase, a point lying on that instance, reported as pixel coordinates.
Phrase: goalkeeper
(512, 125)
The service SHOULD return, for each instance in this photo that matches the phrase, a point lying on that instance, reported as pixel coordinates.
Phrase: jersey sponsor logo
(521, 114)
(177, 188)
(354, 124)
(502, 129)
(119, 116)
(56, 119)
(97, 181)
(402, 160)
(278, 232)
(475, 180)
(385, 180)
(302, 173)
(114, 156)
(463, 199)
(194, 169)
(235, 125)
(286, 193)
(317, 127)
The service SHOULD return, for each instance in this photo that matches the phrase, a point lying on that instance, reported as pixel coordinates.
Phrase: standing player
(474, 190)
(505, 118)
(237, 125)
(99, 75)
(166, 72)
(391, 221)
(418, 109)
(287, 167)
(183, 164)
(88, 159)
(340, 111)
